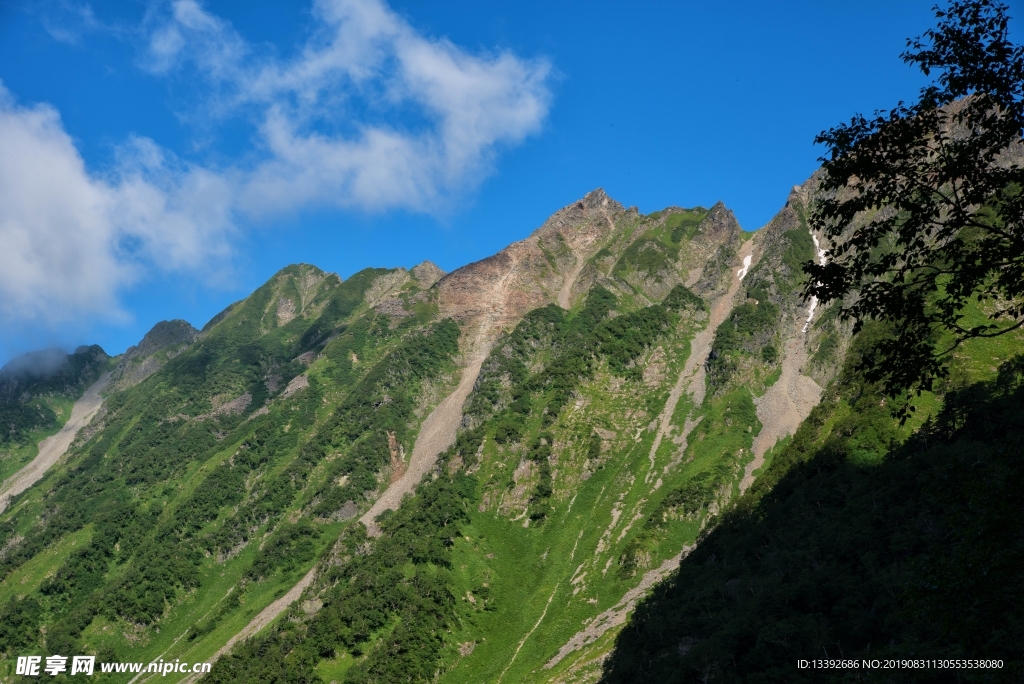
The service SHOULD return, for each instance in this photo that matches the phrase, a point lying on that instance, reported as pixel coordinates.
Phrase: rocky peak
(427, 273)
(539, 270)
(792, 216)
(598, 199)
(720, 223)
(164, 341)
(802, 194)
(296, 291)
(163, 334)
(592, 206)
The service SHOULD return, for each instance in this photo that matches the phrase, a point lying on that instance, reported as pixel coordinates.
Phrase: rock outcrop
(162, 343)
(540, 268)
(426, 273)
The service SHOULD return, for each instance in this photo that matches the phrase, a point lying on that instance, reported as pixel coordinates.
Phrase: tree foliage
(923, 202)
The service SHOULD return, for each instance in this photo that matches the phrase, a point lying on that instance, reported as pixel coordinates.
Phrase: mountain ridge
(584, 403)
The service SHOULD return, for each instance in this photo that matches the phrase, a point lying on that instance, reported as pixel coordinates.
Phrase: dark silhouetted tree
(923, 203)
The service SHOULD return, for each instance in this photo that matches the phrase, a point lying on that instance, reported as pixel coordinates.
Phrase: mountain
(37, 391)
(481, 475)
(50, 372)
(862, 542)
(166, 340)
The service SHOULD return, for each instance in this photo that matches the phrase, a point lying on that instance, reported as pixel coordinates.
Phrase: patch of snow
(746, 267)
(814, 300)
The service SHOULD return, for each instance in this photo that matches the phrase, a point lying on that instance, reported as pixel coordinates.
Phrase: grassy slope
(654, 524)
(532, 570)
(204, 604)
(513, 560)
(17, 455)
(655, 253)
(624, 519)
(49, 407)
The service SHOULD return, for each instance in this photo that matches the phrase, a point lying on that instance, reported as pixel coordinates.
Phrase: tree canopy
(923, 203)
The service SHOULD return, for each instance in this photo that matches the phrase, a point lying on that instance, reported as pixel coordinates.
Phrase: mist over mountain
(37, 364)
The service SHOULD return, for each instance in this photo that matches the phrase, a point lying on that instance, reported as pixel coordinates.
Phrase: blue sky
(161, 160)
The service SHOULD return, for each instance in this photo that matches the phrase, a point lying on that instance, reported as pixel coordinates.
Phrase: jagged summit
(427, 273)
(720, 221)
(164, 341)
(163, 334)
(594, 239)
(594, 203)
(536, 271)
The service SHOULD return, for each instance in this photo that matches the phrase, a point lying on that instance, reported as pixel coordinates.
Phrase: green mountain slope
(146, 537)
(594, 407)
(570, 490)
(37, 391)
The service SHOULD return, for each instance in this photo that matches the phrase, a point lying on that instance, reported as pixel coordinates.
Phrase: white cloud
(426, 117)
(369, 114)
(71, 240)
(69, 22)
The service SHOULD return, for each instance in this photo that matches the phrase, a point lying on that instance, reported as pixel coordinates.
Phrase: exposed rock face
(393, 307)
(427, 273)
(718, 238)
(285, 311)
(720, 224)
(297, 383)
(164, 334)
(233, 407)
(306, 358)
(385, 286)
(559, 262)
(536, 270)
(163, 342)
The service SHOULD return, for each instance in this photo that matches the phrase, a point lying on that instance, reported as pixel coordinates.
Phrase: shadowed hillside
(856, 544)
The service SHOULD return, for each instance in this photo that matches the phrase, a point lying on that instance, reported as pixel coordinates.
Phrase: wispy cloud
(69, 22)
(423, 118)
(369, 115)
(71, 239)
